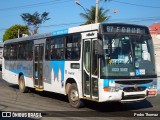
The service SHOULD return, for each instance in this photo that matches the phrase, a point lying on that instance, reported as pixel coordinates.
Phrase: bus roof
(77, 29)
(83, 28)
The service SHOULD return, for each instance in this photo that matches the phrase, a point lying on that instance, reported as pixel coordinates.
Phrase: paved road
(12, 100)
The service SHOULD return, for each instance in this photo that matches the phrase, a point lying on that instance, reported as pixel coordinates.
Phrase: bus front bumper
(122, 96)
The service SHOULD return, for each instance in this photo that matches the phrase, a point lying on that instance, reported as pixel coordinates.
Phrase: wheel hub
(74, 95)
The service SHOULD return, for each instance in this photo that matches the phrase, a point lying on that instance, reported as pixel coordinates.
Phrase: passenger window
(57, 48)
(29, 51)
(13, 51)
(47, 51)
(73, 47)
(6, 52)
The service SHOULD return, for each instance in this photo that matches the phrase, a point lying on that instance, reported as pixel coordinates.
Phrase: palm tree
(90, 15)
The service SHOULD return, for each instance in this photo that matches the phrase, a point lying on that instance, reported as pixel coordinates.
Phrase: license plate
(152, 92)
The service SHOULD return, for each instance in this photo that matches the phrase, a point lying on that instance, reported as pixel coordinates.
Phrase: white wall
(156, 42)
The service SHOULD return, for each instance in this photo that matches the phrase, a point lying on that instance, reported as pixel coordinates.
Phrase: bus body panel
(85, 28)
(54, 76)
(73, 71)
(14, 68)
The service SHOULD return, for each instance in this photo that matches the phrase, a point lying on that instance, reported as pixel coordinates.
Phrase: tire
(73, 96)
(22, 87)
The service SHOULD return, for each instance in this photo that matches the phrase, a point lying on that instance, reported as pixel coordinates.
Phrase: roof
(155, 28)
(83, 28)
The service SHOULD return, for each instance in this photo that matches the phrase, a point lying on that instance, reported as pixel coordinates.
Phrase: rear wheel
(73, 96)
(22, 87)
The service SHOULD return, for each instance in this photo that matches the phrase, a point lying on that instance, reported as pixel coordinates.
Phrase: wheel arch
(22, 83)
(68, 83)
(19, 75)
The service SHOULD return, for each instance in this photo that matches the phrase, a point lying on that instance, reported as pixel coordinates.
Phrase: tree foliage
(34, 20)
(15, 31)
(90, 15)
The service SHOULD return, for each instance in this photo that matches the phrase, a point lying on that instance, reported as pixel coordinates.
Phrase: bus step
(39, 89)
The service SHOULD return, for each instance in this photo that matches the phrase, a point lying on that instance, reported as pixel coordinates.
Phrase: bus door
(38, 65)
(90, 69)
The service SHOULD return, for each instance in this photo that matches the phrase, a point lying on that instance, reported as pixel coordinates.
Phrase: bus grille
(133, 82)
(130, 97)
(132, 89)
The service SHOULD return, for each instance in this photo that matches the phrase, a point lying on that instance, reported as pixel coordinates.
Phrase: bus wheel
(22, 87)
(73, 96)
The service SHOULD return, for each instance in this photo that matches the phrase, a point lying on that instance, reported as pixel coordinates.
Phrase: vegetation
(15, 31)
(33, 21)
(90, 15)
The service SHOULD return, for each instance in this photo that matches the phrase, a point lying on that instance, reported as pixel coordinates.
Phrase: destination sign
(125, 29)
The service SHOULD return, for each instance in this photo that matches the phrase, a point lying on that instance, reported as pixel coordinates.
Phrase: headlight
(114, 89)
(152, 87)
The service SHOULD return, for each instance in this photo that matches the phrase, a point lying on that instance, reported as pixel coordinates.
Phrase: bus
(101, 62)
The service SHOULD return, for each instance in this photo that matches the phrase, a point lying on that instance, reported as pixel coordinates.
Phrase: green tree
(89, 16)
(34, 20)
(15, 31)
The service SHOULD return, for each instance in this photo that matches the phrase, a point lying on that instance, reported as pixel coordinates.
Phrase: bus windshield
(127, 55)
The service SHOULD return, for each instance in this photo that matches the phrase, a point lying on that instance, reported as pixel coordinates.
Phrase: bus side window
(13, 51)
(73, 47)
(29, 50)
(57, 49)
(6, 53)
(48, 50)
(22, 51)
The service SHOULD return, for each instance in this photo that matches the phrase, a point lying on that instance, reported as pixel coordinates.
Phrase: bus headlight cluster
(114, 89)
(152, 87)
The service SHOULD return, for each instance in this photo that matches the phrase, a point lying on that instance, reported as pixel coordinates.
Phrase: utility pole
(96, 14)
(18, 33)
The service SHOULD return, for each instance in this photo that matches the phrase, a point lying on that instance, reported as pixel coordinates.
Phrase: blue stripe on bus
(145, 85)
(108, 82)
(105, 83)
(60, 32)
(111, 82)
(18, 71)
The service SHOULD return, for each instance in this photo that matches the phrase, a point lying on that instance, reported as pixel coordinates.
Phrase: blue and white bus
(98, 62)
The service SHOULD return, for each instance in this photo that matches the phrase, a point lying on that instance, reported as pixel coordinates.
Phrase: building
(155, 33)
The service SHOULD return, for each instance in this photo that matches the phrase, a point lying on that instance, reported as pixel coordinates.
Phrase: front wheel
(22, 87)
(73, 96)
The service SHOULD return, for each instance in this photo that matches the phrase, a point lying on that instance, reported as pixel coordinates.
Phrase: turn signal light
(106, 89)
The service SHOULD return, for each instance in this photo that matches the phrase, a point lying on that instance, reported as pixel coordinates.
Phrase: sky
(65, 13)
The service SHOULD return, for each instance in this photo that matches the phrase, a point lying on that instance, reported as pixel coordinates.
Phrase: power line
(135, 4)
(123, 20)
(133, 19)
(65, 24)
(34, 5)
(55, 25)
